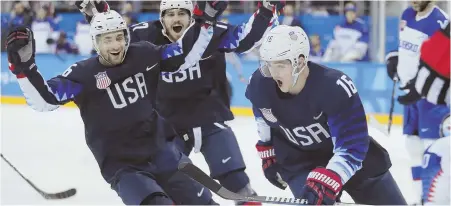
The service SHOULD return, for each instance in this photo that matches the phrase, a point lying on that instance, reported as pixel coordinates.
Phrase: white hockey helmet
(107, 22)
(284, 43)
(175, 4)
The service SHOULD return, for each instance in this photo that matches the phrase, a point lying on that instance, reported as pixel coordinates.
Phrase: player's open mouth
(115, 53)
(279, 83)
(177, 28)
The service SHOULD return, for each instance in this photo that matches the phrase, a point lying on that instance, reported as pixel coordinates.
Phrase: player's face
(418, 5)
(282, 73)
(176, 21)
(112, 46)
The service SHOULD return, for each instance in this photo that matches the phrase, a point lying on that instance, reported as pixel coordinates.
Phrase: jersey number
(68, 70)
(142, 25)
(426, 158)
(347, 85)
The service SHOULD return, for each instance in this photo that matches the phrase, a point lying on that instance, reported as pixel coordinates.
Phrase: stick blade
(59, 195)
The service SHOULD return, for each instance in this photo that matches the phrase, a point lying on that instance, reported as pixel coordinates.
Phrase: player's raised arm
(41, 95)
(348, 126)
(245, 37)
(187, 50)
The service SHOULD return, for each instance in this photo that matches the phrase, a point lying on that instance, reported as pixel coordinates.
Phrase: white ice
(49, 148)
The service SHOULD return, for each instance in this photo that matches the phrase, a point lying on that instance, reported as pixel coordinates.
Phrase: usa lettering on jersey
(128, 91)
(306, 136)
(189, 74)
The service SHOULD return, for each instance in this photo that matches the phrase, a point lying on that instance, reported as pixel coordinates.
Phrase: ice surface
(49, 148)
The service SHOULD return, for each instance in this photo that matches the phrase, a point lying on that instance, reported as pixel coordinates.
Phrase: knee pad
(234, 180)
(157, 198)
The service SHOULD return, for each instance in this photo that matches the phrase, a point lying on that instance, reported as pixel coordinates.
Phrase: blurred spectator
(351, 39)
(43, 28)
(82, 38)
(64, 46)
(20, 15)
(289, 18)
(128, 14)
(129, 19)
(316, 51)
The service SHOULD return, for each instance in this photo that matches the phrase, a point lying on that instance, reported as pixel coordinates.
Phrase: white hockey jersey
(413, 31)
(435, 174)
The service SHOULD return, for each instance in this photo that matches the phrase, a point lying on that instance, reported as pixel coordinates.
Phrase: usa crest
(103, 81)
(268, 115)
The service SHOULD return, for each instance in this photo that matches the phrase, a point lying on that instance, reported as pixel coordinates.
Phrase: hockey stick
(200, 176)
(392, 104)
(48, 196)
(377, 125)
(205, 180)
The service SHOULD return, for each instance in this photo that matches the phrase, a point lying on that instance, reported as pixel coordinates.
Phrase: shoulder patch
(267, 113)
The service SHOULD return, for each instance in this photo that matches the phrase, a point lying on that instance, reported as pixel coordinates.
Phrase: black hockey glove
(412, 95)
(21, 48)
(90, 7)
(209, 11)
(322, 187)
(269, 164)
(274, 5)
(391, 61)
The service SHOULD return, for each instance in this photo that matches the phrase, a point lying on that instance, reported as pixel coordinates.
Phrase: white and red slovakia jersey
(435, 174)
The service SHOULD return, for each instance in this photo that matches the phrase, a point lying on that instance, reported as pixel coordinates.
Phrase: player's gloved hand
(269, 164)
(322, 187)
(21, 48)
(209, 11)
(274, 5)
(90, 7)
(412, 95)
(391, 62)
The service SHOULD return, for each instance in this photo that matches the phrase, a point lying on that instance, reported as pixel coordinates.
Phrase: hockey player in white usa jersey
(421, 119)
(313, 129)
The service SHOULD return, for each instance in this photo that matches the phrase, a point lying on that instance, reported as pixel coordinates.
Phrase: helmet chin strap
(296, 74)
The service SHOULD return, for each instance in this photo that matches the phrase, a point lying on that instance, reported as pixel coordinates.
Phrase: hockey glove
(21, 48)
(209, 11)
(412, 95)
(269, 164)
(90, 7)
(272, 5)
(322, 187)
(391, 61)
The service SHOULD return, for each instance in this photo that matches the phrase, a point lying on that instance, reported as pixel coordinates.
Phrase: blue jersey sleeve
(245, 37)
(48, 95)
(347, 124)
